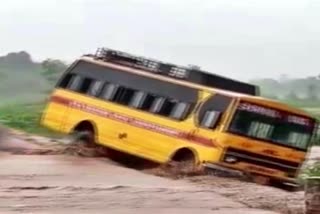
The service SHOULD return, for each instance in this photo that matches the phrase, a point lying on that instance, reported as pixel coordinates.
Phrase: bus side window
(66, 80)
(180, 110)
(75, 83)
(85, 85)
(109, 90)
(157, 104)
(167, 107)
(210, 119)
(148, 102)
(123, 95)
(211, 111)
(95, 88)
(138, 99)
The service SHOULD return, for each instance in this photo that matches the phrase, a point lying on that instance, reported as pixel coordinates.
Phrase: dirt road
(69, 184)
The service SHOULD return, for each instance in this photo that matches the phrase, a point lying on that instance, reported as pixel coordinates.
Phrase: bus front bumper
(216, 167)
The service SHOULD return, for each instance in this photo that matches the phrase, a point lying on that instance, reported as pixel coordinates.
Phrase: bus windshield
(272, 125)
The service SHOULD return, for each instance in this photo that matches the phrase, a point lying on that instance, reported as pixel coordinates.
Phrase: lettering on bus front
(259, 110)
(274, 113)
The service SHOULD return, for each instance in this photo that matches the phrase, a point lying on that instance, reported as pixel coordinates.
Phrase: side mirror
(210, 119)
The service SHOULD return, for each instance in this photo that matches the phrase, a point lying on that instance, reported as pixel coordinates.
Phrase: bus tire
(183, 162)
(260, 179)
(84, 133)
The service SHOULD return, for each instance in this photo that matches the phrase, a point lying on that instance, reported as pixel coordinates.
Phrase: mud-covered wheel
(85, 137)
(184, 163)
(82, 142)
(83, 133)
(260, 179)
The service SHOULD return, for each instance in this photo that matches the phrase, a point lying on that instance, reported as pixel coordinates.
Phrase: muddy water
(70, 184)
(52, 178)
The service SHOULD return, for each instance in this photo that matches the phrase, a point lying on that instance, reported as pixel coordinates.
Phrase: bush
(310, 171)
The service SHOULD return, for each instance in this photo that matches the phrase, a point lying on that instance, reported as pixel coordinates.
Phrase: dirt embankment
(249, 194)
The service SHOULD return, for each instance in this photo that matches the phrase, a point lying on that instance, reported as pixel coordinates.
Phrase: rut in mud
(236, 188)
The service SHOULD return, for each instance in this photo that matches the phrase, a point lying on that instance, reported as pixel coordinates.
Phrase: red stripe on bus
(133, 121)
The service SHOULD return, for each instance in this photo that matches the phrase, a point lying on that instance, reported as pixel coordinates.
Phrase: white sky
(241, 39)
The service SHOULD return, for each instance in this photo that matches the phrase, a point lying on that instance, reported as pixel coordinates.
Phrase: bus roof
(255, 99)
(189, 73)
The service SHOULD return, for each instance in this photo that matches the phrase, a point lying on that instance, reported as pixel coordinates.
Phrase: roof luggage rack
(190, 74)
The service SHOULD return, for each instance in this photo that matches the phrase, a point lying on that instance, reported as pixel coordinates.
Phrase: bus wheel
(183, 163)
(260, 179)
(84, 133)
(83, 142)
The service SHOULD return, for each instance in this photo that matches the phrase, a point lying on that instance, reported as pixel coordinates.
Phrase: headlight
(230, 159)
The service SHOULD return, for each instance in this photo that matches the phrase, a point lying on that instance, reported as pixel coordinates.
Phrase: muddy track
(250, 194)
(238, 189)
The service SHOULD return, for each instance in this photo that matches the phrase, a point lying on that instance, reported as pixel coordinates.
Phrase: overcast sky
(238, 38)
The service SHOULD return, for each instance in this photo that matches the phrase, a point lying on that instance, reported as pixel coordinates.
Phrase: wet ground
(51, 178)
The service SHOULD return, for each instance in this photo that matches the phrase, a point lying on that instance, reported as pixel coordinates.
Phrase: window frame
(225, 103)
(184, 112)
(215, 120)
(98, 90)
(149, 95)
(286, 144)
(84, 89)
(71, 86)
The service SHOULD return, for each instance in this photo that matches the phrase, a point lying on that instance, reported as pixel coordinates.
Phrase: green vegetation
(53, 69)
(290, 88)
(25, 117)
(299, 92)
(24, 85)
(310, 171)
(24, 81)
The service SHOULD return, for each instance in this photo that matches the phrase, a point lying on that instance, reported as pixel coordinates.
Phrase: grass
(25, 117)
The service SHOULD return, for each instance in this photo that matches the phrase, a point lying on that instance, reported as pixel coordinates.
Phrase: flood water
(51, 179)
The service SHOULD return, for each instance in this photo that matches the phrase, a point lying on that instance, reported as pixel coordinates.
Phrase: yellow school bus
(149, 109)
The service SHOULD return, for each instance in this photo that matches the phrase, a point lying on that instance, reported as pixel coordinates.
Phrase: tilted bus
(129, 104)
